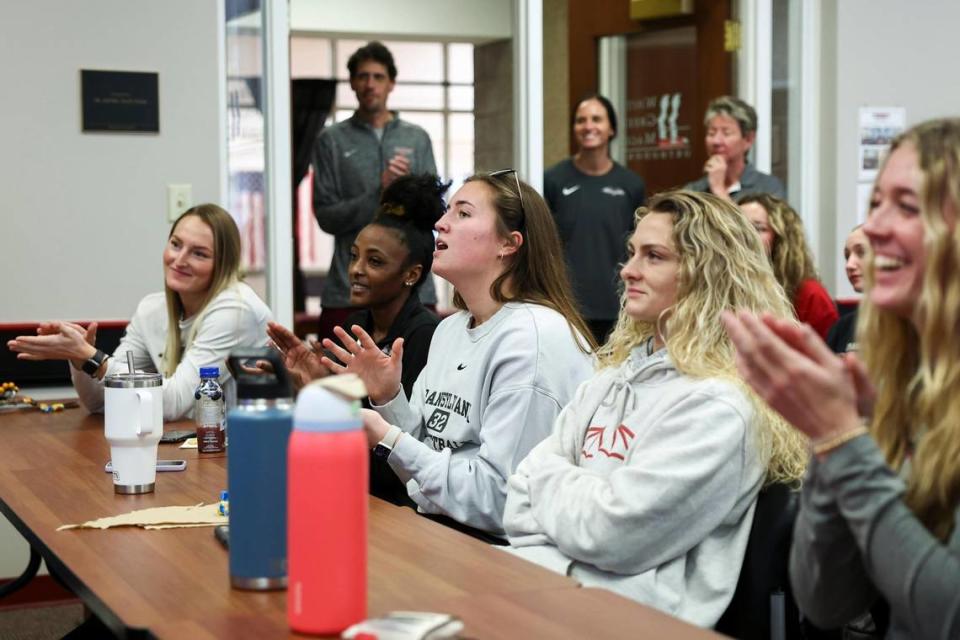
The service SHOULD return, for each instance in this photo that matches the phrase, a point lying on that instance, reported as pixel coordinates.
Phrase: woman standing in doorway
(593, 199)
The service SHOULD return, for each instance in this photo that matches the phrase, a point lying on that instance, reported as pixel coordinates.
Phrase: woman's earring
(408, 284)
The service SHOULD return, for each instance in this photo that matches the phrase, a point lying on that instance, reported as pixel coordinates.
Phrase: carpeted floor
(39, 622)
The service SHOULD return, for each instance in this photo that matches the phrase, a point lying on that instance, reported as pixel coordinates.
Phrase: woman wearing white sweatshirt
(648, 483)
(498, 372)
(204, 313)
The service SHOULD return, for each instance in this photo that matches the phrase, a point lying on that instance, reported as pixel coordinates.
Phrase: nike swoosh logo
(568, 190)
(461, 367)
(347, 154)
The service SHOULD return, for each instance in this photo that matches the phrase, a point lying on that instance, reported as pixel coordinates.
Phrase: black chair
(763, 606)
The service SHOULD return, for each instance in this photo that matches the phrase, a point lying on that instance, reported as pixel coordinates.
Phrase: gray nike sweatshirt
(487, 396)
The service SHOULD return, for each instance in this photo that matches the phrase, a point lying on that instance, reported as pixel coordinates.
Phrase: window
(434, 89)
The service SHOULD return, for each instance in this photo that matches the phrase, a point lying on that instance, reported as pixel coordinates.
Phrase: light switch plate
(179, 199)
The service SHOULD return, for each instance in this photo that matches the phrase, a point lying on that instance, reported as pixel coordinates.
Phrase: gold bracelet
(828, 444)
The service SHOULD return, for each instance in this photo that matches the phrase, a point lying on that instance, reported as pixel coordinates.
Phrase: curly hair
(914, 363)
(375, 51)
(790, 255)
(411, 206)
(537, 272)
(722, 267)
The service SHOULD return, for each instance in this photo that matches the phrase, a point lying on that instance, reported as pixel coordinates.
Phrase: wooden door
(675, 66)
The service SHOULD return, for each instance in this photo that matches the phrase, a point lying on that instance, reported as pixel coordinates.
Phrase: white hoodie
(646, 487)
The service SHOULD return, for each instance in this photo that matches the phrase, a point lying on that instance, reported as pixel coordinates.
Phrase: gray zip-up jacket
(348, 158)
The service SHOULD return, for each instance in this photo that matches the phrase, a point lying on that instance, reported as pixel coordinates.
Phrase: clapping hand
(303, 361)
(791, 368)
(380, 372)
(374, 426)
(57, 340)
(398, 165)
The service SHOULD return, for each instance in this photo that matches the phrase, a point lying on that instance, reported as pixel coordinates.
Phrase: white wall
(884, 53)
(83, 216)
(439, 19)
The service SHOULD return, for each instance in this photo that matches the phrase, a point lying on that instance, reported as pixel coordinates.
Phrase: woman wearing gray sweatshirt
(499, 371)
(648, 483)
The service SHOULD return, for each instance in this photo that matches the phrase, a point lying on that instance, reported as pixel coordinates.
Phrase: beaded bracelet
(829, 443)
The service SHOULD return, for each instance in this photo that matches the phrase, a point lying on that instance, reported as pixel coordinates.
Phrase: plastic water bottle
(210, 412)
(260, 426)
(327, 503)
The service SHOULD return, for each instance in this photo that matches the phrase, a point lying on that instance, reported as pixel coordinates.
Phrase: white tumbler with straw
(133, 425)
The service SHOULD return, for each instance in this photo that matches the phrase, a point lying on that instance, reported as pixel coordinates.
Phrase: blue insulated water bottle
(260, 427)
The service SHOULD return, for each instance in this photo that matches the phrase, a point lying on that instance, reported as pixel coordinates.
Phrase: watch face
(382, 451)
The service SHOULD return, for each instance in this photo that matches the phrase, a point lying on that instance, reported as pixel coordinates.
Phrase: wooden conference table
(174, 583)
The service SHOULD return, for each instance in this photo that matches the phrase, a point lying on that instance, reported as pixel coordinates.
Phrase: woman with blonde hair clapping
(879, 511)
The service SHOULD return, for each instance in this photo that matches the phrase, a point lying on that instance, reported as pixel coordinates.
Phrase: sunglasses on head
(516, 177)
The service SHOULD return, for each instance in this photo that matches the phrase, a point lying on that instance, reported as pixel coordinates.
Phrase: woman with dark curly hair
(500, 369)
(781, 230)
(389, 260)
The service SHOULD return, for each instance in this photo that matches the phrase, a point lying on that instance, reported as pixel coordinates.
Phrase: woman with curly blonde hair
(648, 482)
(781, 230)
(879, 511)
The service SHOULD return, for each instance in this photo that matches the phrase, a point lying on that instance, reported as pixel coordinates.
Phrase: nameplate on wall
(120, 101)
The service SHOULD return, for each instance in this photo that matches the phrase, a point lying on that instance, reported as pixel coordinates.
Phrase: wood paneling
(589, 20)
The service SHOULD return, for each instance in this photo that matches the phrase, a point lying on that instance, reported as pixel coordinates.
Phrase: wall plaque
(120, 101)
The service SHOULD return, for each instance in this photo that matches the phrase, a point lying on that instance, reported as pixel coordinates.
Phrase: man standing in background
(353, 161)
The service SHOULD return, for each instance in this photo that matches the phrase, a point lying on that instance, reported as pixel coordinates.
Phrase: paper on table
(201, 515)
(348, 384)
(189, 443)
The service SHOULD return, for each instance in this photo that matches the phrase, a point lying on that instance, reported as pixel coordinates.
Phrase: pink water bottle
(326, 514)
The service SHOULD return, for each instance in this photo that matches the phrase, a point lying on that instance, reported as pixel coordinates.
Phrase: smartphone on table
(162, 465)
(177, 435)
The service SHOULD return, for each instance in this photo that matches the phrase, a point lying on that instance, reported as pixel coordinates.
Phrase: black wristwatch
(385, 447)
(93, 363)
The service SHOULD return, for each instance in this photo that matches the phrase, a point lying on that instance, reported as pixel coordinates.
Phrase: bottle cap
(209, 372)
(323, 411)
(253, 383)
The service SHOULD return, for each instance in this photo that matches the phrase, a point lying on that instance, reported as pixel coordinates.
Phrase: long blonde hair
(722, 267)
(226, 271)
(790, 255)
(537, 272)
(915, 363)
